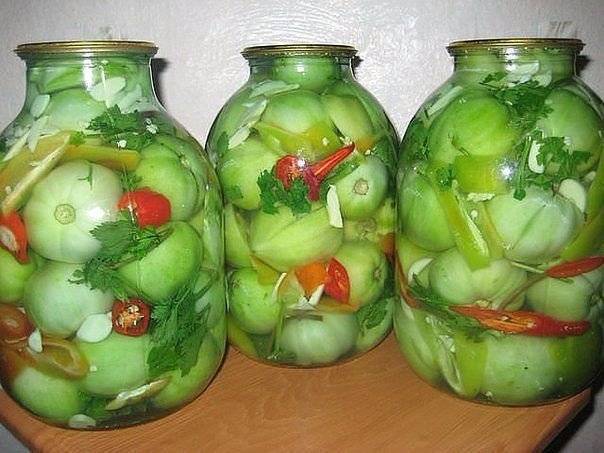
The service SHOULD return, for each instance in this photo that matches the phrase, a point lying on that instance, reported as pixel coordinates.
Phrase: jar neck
(516, 63)
(124, 80)
(280, 68)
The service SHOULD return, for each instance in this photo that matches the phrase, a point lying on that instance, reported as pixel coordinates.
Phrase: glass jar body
(305, 157)
(500, 229)
(112, 259)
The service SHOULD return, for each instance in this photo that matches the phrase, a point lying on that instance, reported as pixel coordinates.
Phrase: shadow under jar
(306, 159)
(112, 304)
(500, 226)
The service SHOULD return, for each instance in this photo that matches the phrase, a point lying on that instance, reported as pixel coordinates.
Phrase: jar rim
(457, 47)
(289, 50)
(86, 47)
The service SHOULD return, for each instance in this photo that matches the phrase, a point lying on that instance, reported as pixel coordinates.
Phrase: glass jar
(306, 160)
(500, 226)
(112, 296)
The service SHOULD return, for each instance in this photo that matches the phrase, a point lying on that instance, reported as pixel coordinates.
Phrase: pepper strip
(574, 268)
(523, 322)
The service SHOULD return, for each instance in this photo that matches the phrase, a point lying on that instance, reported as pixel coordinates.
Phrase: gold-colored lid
(86, 47)
(456, 47)
(290, 50)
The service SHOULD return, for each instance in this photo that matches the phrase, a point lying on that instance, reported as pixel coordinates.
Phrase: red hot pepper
(130, 317)
(150, 208)
(574, 268)
(337, 283)
(291, 167)
(13, 236)
(523, 322)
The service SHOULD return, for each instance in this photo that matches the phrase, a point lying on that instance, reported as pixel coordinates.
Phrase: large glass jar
(500, 226)
(305, 157)
(112, 306)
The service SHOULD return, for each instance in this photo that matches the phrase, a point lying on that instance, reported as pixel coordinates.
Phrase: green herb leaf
(232, 193)
(439, 307)
(77, 138)
(124, 130)
(372, 315)
(129, 181)
(122, 241)
(94, 407)
(273, 193)
(177, 332)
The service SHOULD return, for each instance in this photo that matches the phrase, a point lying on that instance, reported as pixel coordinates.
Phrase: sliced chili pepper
(15, 326)
(150, 208)
(130, 317)
(291, 167)
(523, 322)
(13, 236)
(337, 284)
(574, 268)
(58, 356)
(311, 276)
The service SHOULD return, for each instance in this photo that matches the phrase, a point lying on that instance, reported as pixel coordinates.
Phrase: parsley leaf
(232, 193)
(124, 130)
(122, 242)
(77, 138)
(526, 100)
(273, 193)
(129, 181)
(177, 331)
(439, 307)
(372, 315)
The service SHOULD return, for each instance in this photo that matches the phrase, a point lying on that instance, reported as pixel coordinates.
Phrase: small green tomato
(254, 306)
(66, 205)
(13, 277)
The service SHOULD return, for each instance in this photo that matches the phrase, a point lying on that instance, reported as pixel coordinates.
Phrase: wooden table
(374, 403)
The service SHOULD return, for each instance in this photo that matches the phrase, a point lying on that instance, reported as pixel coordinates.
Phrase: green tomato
(47, 396)
(536, 228)
(13, 277)
(409, 253)
(452, 279)
(416, 341)
(72, 109)
(301, 112)
(163, 171)
(239, 170)
(566, 299)
(251, 304)
(368, 338)
(475, 124)
(208, 224)
(214, 296)
(183, 389)
(577, 359)
(56, 305)
(372, 228)
(420, 215)
(349, 116)
(361, 192)
(191, 156)
(168, 266)
(284, 240)
(573, 118)
(310, 73)
(118, 363)
(366, 267)
(66, 205)
(236, 245)
(318, 342)
(519, 369)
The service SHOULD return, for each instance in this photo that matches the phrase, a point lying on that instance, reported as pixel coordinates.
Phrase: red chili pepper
(574, 268)
(13, 236)
(337, 283)
(291, 167)
(149, 207)
(524, 322)
(130, 317)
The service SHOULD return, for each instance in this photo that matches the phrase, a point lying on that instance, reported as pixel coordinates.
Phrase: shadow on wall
(158, 66)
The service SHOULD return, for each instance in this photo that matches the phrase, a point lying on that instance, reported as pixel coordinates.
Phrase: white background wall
(401, 44)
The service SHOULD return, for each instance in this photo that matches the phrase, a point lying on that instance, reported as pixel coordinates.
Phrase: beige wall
(401, 44)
